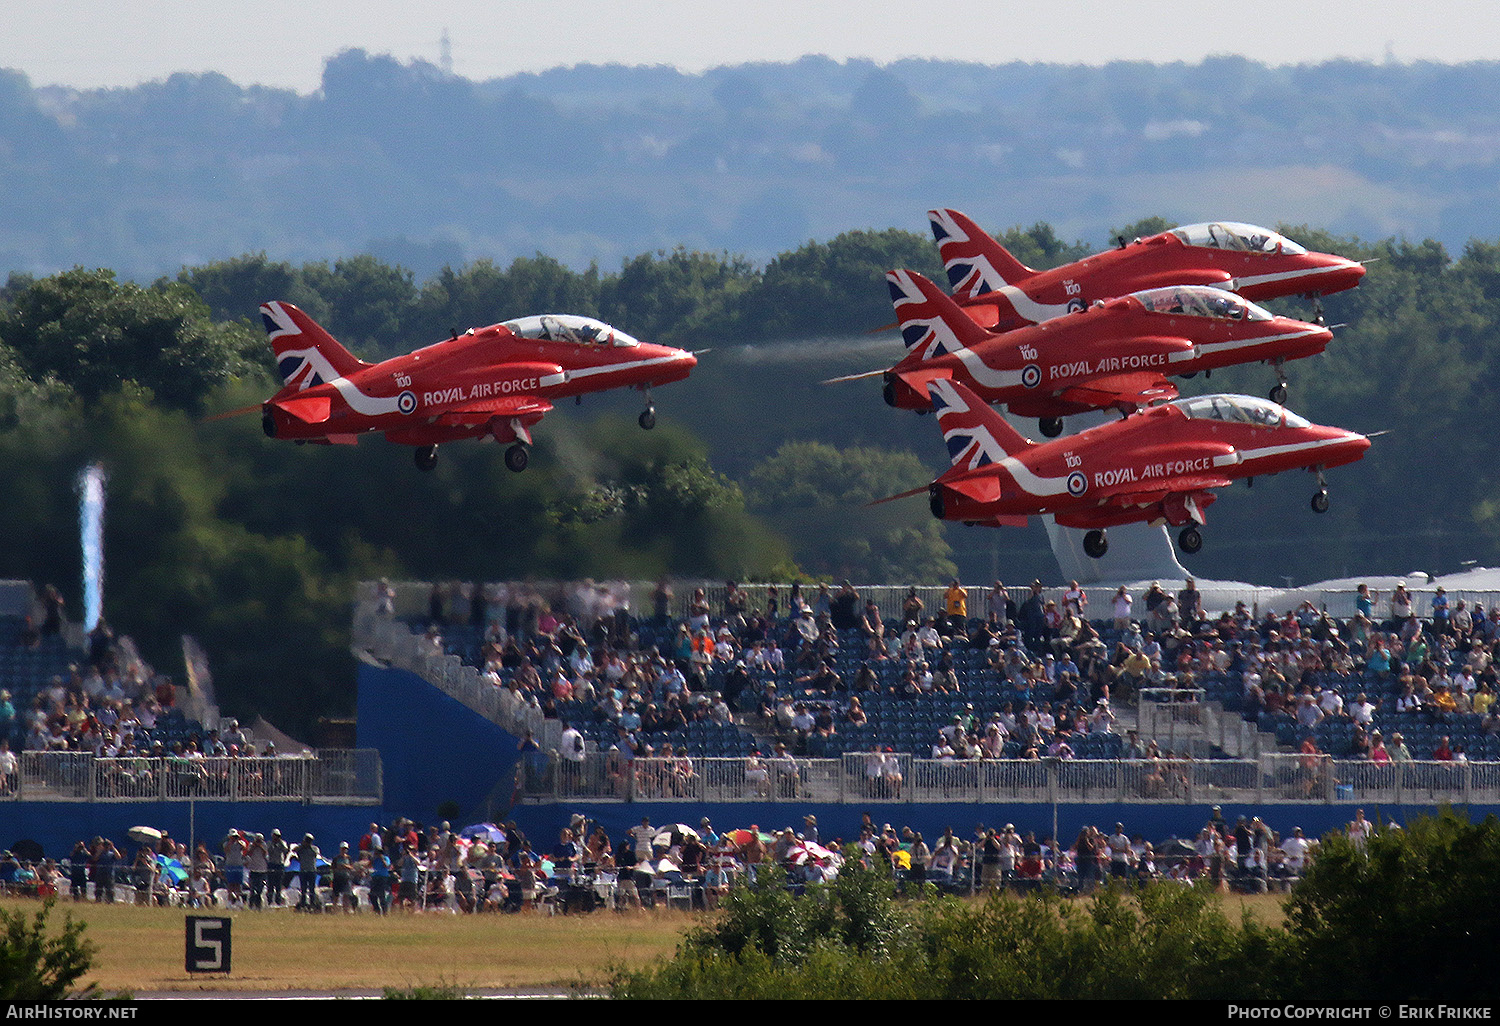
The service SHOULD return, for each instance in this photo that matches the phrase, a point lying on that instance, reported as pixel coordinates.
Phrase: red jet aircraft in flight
(1001, 293)
(1114, 355)
(496, 381)
(1159, 465)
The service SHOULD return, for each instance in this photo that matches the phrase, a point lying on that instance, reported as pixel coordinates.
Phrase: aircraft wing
(1159, 490)
(1116, 390)
(1179, 497)
(481, 411)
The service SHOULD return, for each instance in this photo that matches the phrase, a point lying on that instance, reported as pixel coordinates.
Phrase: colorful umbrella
(172, 870)
(489, 831)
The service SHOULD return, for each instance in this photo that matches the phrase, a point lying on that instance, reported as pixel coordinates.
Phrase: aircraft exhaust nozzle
(935, 499)
(268, 422)
(889, 392)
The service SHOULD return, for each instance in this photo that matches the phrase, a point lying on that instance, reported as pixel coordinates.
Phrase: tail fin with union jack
(974, 432)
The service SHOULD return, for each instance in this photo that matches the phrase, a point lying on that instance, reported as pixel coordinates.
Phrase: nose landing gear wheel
(1278, 394)
(516, 458)
(647, 419)
(1190, 539)
(1095, 544)
(1050, 426)
(425, 457)
(1320, 502)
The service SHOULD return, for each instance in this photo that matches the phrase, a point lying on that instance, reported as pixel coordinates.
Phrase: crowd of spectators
(408, 867)
(1026, 679)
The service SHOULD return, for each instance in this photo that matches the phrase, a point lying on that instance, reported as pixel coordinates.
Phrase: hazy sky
(92, 43)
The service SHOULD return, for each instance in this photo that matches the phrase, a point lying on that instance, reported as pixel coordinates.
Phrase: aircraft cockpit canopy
(1239, 409)
(582, 331)
(1246, 238)
(1201, 301)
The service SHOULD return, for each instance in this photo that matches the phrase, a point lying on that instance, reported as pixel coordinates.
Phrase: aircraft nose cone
(1344, 274)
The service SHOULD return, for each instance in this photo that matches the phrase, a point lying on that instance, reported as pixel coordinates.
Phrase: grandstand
(1212, 750)
(435, 730)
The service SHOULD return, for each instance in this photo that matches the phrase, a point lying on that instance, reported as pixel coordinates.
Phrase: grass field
(140, 950)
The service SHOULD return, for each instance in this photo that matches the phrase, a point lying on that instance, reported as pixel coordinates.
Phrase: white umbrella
(664, 835)
(144, 834)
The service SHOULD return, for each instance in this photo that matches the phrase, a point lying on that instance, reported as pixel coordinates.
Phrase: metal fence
(885, 777)
(343, 776)
(412, 597)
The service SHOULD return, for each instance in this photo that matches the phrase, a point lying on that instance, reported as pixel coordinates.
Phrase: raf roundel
(1031, 375)
(406, 402)
(1077, 483)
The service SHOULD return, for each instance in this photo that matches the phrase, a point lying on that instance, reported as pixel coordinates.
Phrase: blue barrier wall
(1155, 823)
(433, 748)
(57, 826)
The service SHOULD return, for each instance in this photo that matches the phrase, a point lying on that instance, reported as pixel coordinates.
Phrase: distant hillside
(599, 164)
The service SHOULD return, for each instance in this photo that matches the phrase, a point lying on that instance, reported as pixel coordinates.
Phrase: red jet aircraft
(1001, 293)
(1115, 355)
(1159, 465)
(497, 381)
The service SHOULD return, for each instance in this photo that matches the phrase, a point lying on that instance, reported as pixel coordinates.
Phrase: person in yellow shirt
(956, 608)
(1484, 698)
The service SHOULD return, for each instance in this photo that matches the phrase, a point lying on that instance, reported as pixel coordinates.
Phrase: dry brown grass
(141, 949)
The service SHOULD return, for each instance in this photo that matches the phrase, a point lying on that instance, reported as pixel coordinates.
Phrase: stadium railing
(333, 775)
(1268, 779)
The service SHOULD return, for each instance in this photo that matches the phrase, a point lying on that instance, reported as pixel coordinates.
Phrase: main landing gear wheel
(516, 458)
(1050, 426)
(425, 457)
(647, 419)
(1191, 540)
(1095, 544)
(1278, 394)
(1320, 502)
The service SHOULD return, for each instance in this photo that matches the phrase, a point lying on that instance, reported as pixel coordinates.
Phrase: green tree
(1408, 918)
(92, 333)
(817, 496)
(37, 965)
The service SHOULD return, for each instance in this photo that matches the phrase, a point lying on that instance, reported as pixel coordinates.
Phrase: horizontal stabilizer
(312, 409)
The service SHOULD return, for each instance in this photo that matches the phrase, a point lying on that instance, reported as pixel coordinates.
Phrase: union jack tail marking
(932, 325)
(306, 355)
(975, 262)
(974, 433)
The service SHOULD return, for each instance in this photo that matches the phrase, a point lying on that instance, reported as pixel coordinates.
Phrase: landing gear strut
(1095, 544)
(425, 457)
(1050, 426)
(516, 458)
(1317, 301)
(1320, 500)
(1191, 539)
(1278, 394)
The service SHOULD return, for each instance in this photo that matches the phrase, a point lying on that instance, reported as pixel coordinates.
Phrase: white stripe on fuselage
(1279, 450)
(1247, 343)
(369, 406)
(609, 368)
(1262, 279)
(1029, 308)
